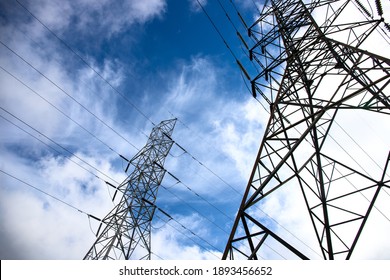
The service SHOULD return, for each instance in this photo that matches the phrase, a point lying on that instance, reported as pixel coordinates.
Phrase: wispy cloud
(106, 17)
(196, 5)
(220, 127)
(61, 91)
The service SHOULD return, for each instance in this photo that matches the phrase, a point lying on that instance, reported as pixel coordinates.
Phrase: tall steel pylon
(313, 69)
(127, 227)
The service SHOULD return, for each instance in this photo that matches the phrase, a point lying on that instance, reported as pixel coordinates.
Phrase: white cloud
(88, 16)
(224, 135)
(367, 129)
(50, 223)
(36, 223)
(226, 130)
(195, 5)
(171, 240)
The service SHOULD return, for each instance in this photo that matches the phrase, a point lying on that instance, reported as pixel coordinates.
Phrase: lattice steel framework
(312, 69)
(127, 227)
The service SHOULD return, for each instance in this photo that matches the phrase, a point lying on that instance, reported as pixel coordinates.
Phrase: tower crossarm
(312, 68)
(127, 227)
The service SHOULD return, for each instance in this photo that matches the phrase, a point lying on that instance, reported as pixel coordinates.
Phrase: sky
(83, 82)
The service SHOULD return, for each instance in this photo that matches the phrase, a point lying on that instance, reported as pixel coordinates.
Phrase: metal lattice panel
(127, 227)
(311, 72)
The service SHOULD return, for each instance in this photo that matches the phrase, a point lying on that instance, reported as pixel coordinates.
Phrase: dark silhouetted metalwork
(127, 227)
(313, 68)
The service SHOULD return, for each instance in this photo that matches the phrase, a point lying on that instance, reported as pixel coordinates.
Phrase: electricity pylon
(313, 68)
(127, 227)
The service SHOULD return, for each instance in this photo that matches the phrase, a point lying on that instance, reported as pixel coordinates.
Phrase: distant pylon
(127, 227)
(311, 71)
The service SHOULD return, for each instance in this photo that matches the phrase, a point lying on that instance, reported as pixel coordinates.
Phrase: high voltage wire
(184, 151)
(96, 218)
(105, 80)
(89, 66)
(92, 216)
(92, 166)
(47, 194)
(135, 147)
(220, 34)
(86, 63)
(66, 93)
(200, 137)
(187, 236)
(59, 200)
(118, 91)
(193, 208)
(87, 108)
(247, 76)
(59, 110)
(189, 154)
(100, 140)
(54, 142)
(59, 63)
(198, 236)
(239, 64)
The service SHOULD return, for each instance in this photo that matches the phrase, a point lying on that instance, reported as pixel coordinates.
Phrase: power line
(217, 30)
(54, 142)
(76, 100)
(72, 50)
(60, 64)
(235, 190)
(196, 194)
(207, 168)
(61, 201)
(66, 93)
(230, 218)
(59, 110)
(199, 137)
(223, 39)
(87, 110)
(189, 237)
(86, 63)
(112, 179)
(190, 154)
(201, 238)
(105, 80)
(193, 208)
(50, 195)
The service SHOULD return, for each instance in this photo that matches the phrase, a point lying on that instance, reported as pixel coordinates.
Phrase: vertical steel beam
(316, 77)
(127, 227)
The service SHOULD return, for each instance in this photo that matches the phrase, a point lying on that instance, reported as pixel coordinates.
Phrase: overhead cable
(67, 94)
(86, 63)
(57, 144)
(50, 195)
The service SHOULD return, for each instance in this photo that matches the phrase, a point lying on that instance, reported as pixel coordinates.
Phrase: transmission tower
(313, 69)
(127, 227)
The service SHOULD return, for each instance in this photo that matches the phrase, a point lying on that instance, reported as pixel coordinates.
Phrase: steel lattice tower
(312, 71)
(127, 227)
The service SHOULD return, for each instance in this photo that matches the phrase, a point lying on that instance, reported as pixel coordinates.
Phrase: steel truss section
(127, 227)
(311, 72)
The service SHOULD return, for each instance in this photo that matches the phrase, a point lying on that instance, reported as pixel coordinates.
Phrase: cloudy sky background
(82, 82)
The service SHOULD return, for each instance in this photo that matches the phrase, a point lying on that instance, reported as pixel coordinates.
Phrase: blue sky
(110, 69)
(88, 91)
